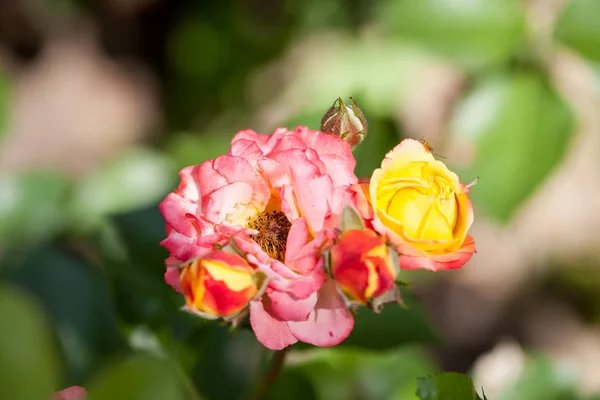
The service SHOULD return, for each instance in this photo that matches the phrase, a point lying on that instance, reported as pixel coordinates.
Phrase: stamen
(273, 228)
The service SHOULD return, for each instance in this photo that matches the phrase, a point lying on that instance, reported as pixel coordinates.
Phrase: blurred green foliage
(521, 129)
(578, 27)
(81, 269)
(473, 32)
(5, 94)
(448, 386)
(28, 356)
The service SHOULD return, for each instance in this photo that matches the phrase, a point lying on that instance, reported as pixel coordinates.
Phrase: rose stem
(275, 368)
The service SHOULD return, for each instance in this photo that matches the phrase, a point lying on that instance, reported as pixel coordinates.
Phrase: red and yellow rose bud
(220, 284)
(345, 121)
(362, 265)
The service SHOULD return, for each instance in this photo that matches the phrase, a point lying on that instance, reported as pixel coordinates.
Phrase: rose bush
(421, 206)
(276, 201)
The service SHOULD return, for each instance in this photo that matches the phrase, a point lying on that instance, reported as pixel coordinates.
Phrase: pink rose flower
(277, 198)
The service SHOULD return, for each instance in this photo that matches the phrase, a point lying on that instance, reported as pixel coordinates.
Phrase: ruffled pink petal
(309, 257)
(297, 238)
(288, 307)
(224, 201)
(271, 332)
(274, 172)
(175, 209)
(327, 145)
(289, 205)
(188, 184)
(301, 286)
(172, 278)
(185, 248)
(208, 179)
(329, 323)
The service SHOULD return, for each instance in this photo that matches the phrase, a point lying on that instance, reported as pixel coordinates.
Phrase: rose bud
(345, 121)
(362, 265)
(422, 208)
(220, 284)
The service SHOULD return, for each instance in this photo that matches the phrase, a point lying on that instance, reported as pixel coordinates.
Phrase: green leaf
(519, 129)
(446, 386)
(343, 373)
(75, 297)
(136, 267)
(394, 326)
(137, 178)
(543, 380)
(578, 27)
(28, 358)
(138, 378)
(32, 206)
(474, 32)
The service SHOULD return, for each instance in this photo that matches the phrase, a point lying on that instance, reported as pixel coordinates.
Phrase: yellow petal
(234, 279)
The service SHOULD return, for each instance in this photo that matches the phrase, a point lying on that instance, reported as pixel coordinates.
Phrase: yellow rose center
(426, 207)
(273, 228)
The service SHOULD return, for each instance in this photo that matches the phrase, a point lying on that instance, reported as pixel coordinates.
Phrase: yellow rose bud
(218, 285)
(422, 207)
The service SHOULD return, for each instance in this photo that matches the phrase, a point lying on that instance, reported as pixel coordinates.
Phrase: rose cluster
(282, 231)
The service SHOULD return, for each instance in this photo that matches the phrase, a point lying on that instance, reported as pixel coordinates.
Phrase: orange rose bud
(362, 266)
(345, 121)
(218, 285)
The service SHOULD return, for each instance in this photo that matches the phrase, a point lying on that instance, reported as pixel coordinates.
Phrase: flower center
(273, 228)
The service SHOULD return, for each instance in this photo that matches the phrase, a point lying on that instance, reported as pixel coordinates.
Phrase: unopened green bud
(345, 121)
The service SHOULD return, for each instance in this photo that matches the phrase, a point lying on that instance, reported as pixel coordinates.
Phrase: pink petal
(208, 178)
(297, 238)
(184, 248)
(271, 332)
(174, 209)
(172, 278)
(329, 323)
(288, 307)
(301, 286)
(188, 187)
(225, 201)
(456, 259)
(417, 262)
(275, 173)
(71, 393)
(309, 257)
(328, 145)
